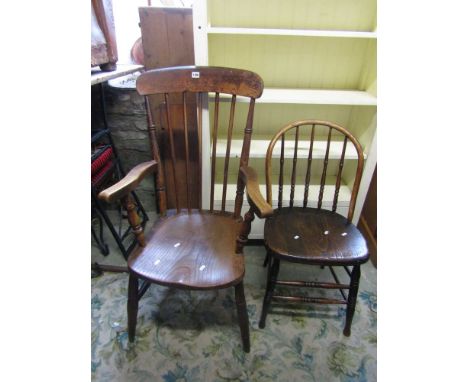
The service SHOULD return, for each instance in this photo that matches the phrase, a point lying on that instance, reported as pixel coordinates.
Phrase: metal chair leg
(243, 316)
(273, 271)
(352, 298)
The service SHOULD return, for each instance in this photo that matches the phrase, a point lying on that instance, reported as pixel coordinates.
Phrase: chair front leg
(132, 306)
(243, 316)
(352, 298)
(273, 270)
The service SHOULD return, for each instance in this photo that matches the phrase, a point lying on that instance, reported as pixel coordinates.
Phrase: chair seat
(313, 236)
(195, 251)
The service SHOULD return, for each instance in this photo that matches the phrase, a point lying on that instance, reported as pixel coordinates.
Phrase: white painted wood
(291, 32)
(369, 167)
(259, 147)
(98, 76)
(200, 23)
(322, 93)
(312, 96)
(327, 201)
(200, 37)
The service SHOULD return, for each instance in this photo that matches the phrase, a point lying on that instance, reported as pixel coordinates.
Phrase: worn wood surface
(128, 183)
(191, 251)
(191, 248)
(201, 79)
(313, 236)
(313, 124)
(167, 40)
(256, 200)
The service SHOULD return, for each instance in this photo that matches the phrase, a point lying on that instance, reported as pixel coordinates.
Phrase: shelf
(98, 76)
(259, 147)
(310, 96)
(327, 201)
(291, 32)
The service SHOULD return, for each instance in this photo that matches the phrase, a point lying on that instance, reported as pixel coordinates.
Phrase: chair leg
(132, 306)
(267, 257)
(243, 316)
(273, 270)
(352, 297)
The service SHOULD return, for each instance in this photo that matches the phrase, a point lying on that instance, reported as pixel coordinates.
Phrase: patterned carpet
(194, 336)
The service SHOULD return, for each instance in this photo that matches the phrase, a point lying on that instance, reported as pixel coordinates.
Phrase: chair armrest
(256, 200)
(128, 183)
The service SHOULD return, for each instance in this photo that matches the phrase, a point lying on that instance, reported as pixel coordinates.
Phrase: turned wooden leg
(132, 306)
(273, 270)
(244, 231)
(352, 297)
(267, 257)
(243, 317)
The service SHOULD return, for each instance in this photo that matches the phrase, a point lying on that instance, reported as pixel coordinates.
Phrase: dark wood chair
(314, 235)
(192, 248)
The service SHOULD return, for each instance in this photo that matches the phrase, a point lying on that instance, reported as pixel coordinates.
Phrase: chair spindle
(199, 135)
(309, 163)
(171, 143)
(161, 199)
(280, 182)
(213, 156)
(228, 150)
(324, 173)
(244, 159)
(184, 98)
(338, 177)
(293, 175)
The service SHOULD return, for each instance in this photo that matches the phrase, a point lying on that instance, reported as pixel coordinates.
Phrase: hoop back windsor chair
(314, 235)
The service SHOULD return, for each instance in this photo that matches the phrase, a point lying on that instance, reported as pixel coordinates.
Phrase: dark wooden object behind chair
(314, 236)
(193, 248)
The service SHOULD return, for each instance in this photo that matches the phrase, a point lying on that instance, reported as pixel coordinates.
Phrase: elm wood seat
(313, 235)
(192, 248)
(196, 251)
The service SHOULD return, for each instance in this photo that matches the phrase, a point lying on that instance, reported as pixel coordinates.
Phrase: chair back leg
(242, 316)
(132, 306)
(352, 297)
(273, 270)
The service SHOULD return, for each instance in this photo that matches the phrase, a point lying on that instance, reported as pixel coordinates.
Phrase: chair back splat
(187, 84)
(329, 130)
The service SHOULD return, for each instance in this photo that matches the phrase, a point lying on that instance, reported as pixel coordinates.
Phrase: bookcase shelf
(312, 96)
(258, 149)
(292, 32)
(317, 60)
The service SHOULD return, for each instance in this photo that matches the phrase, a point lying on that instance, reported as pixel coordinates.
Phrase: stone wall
(126, 117)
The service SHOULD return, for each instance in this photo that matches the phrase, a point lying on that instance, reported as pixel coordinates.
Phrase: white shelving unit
(312, 96)
(317, 62)
(291, 32)
(259, 147)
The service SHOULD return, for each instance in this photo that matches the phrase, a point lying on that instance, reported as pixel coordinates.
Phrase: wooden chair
(193, 248)
(313, 235)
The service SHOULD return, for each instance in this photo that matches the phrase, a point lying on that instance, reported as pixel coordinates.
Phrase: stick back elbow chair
(192, 248)
(314, 235)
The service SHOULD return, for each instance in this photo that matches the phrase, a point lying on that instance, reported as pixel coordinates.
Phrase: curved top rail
(200, 79)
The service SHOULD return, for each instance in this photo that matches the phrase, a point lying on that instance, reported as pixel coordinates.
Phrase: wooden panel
(167, 38)
(359, 15)
(293, 62)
